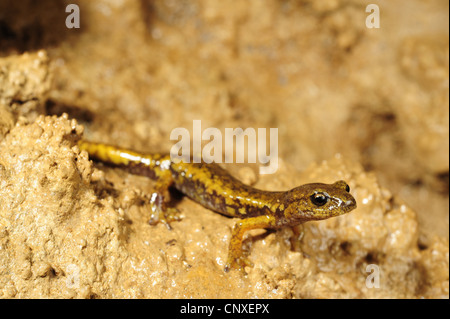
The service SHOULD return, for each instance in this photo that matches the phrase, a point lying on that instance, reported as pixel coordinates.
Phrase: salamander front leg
(159, 201)
(235, 259)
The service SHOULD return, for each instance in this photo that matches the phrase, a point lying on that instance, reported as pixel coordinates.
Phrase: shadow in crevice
(30, 25)
(81, 115)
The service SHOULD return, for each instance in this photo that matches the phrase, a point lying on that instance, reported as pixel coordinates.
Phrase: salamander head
(318, 201)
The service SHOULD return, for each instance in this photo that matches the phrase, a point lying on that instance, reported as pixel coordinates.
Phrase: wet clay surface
(363, 105)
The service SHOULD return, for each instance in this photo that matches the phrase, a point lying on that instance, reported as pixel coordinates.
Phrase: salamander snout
(319, 201)
(329, 200)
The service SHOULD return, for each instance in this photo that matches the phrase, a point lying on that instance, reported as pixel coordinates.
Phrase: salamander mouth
(349, 205)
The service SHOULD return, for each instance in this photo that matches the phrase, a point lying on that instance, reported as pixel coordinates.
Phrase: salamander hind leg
(236, 260)
(160, 200)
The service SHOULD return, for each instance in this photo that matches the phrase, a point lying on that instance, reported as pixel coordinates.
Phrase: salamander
(214, 188)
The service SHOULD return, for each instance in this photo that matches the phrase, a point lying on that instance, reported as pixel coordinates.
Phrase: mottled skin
(216, 189)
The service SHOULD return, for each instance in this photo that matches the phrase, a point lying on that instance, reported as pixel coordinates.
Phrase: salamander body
(213, 187)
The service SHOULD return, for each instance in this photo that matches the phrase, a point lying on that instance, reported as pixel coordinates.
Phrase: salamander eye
(347, 189)
(319, 199)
